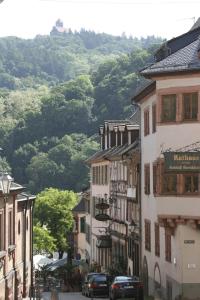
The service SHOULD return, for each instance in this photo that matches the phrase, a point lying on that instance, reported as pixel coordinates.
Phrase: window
(106, 174)
(157, 239)
(1, 231)
(93, 175)
(26, 223)
(146, 122)
(147, 179)
(190, 106)
(10, 228)
(154, 118)
(191, 183)
(129, 211)
(169, 183)
(87, 231)
(102, 174)
(167, 245)
(147, 235)
(169, 290)
(19, 227)
(154, 178)
(82, 224)
(168, 108)
(87, 204)
(93, 206)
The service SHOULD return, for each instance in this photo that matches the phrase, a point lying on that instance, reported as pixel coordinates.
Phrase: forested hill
(57, 58)
(54, 93)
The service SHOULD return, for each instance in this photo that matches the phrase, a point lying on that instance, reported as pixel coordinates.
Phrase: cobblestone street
(69, 296)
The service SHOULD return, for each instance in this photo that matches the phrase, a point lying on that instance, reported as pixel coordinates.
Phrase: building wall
(184, 268)
(97, 191)
(15, 275)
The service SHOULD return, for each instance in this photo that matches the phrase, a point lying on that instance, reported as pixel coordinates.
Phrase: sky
(138, 18)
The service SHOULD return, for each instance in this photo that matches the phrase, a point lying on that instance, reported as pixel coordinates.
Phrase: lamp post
(5, 183)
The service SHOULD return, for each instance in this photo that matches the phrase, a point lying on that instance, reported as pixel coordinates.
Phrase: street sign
(102, 205)
(102, 217)
(182, 162)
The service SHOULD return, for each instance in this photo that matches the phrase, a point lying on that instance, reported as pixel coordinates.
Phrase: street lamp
(5, 182)
(133, 227)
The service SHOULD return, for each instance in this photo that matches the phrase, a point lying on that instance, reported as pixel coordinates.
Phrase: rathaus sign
(182, 161)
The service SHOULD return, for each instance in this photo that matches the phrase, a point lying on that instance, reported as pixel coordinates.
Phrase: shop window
(168, 109)
(146, 122)
(191, 183)
(147, 235)
(190, 106)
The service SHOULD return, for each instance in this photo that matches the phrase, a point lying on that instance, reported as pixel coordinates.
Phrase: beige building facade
(16, 210)
(114, 203)
(170, 190)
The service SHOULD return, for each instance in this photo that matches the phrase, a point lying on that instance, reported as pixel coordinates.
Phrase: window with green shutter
(82, 224)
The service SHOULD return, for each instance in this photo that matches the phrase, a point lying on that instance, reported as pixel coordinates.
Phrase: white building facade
(170, 185)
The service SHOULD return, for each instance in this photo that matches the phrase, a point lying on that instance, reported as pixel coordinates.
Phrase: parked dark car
(87, 282)
(97, 285)
(126, 287)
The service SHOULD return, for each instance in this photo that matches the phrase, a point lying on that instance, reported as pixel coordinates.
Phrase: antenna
(192, 18)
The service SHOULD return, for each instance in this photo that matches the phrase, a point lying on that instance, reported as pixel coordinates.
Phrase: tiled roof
(135, 118)
(177, 43)
(80, 207)
(185, 59)
(108, 154)
(25, 197)
(147, 87)
(196, 24)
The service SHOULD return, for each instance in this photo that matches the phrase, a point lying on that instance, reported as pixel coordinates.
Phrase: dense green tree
(41, 172)
(21, 158)
(43, 242)
(53, 210)
(4, 166)
(53, 89)
(63, 166)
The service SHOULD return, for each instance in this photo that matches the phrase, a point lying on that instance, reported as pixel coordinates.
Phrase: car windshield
(124, 278)
(100, 278)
